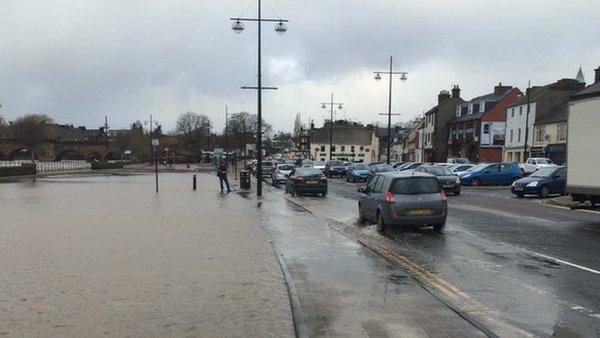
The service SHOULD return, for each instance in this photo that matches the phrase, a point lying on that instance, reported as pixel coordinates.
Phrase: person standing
(222, 174)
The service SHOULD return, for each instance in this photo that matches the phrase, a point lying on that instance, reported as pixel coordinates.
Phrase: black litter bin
(245, 179)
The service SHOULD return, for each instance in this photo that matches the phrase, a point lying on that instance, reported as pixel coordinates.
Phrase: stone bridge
(56, 151)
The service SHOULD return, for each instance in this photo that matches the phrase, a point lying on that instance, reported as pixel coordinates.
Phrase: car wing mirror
(362, 190)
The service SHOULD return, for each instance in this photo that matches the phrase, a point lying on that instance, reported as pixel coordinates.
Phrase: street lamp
(280, 28)
(331, 104)
(389, 114)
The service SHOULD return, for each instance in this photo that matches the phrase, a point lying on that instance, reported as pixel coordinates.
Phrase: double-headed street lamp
(331, 104)
(280, 28)
(389, 114)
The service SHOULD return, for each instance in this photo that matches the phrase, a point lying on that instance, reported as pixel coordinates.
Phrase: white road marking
(566, 263)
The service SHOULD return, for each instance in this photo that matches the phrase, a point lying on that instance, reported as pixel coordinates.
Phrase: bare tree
(297, 126)
(32, 130)
(194, 130)
(242, 129)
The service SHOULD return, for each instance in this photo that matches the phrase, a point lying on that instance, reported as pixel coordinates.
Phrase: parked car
(335, 168)
(449, 181)
(378, 168)
(491, 174)
(281, 172)
(411, 166)
(398, 165)
(267, 168)
(458, 160)
(403, 199)
(458, 169)
(357, 172)
(534, 163)
(306, 180)
(543, 182)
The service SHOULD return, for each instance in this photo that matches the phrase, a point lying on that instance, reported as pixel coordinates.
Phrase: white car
(534, 163)
(281, 173)
(319, 165)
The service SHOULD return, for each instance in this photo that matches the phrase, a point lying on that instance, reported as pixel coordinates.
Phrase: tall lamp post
(389, 114)
(527, 98)
(280, 28)
(331, 104)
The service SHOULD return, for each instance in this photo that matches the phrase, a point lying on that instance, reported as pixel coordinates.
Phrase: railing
(44, 166)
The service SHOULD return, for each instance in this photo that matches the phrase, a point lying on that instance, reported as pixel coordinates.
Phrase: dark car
(268, 167)
(449, 181)
(335, 168)
(403, 199)
(491, 174)
(378, 168)
(306, 181)
(543, 182)
(357, 172)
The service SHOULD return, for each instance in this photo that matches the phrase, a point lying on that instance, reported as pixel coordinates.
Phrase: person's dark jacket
(222, 171)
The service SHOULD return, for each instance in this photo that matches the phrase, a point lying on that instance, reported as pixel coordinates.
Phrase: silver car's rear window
(415, 185)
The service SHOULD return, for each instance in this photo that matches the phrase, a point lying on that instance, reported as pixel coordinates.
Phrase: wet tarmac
(532, 267)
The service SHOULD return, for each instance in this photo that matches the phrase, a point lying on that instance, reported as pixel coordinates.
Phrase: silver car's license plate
(312, 182)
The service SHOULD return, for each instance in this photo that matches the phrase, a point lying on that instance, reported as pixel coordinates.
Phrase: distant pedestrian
(222, 174)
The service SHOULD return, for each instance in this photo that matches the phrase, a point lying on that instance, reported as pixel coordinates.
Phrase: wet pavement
(520, 267)
(346, 290)
(105, 256)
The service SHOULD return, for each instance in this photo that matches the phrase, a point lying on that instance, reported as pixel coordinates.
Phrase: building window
(519, 135)
(367, 150)
(352, 148)
(512, 112)
(540, 133)
(520, 110)
(511, 135)
(322, 148)
(561, 132)
(317, 149)
(343, 148)
(362, 148)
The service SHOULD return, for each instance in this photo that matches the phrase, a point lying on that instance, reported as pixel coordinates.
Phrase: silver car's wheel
(380, 223)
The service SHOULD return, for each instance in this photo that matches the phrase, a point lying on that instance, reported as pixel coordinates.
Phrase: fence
(45, 167)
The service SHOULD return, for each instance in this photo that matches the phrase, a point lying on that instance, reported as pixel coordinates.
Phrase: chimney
(443, 96)
(500, 89)
(455, 92)
(597, 76)
(312, 124)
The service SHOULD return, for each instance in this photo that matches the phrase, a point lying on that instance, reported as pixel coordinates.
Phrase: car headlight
(457, 180)
(533, 184)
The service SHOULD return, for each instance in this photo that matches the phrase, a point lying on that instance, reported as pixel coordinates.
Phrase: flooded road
(530, 266)
(104, 255)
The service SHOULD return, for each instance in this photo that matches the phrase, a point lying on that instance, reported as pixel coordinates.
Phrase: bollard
(194, 183)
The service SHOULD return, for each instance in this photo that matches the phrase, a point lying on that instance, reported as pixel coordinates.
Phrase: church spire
(579, 76)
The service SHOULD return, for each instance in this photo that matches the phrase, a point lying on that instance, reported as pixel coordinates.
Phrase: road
(510, 262)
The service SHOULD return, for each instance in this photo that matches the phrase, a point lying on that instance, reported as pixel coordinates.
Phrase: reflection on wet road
(533, 266)
(346, 290)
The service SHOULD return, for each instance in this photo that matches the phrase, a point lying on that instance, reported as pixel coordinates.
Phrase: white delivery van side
(583, 150)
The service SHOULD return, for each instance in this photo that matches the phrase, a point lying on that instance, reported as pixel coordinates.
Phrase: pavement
(87, 256)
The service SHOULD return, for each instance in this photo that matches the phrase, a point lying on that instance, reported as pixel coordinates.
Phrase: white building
(514, 139)
(351, 142)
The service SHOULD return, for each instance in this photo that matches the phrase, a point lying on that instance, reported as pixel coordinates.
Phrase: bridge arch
(69, 154)
(19, 154)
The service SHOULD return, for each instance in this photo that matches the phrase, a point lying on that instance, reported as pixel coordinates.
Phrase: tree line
(192, 135)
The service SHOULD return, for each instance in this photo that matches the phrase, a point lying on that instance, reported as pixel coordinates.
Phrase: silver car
(403, 199)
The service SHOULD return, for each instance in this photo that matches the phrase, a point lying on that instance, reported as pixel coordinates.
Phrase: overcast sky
(80, 60)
